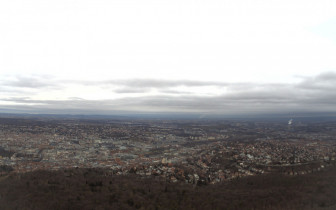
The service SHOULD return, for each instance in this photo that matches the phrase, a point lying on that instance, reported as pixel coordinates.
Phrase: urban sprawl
(190, 151)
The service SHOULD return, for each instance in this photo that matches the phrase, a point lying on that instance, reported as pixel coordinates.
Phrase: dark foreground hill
(95, 189)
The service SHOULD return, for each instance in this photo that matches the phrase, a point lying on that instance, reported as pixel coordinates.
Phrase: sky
(182, 56)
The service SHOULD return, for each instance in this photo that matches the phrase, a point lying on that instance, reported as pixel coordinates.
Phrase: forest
(97, 189)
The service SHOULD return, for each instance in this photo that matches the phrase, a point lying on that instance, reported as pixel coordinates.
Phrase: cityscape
(191, 151)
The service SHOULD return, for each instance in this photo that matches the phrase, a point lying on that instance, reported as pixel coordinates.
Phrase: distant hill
(282, 117)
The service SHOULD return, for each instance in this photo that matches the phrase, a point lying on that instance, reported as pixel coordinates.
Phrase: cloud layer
(311, 94)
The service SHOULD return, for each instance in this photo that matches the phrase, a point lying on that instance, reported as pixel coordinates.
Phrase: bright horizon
(216, 57)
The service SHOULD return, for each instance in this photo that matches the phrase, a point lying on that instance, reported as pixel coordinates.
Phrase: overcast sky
(203, 56)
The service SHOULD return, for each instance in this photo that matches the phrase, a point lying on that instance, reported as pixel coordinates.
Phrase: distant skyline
(206, 57)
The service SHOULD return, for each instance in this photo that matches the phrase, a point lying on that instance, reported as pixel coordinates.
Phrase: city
(196, 152)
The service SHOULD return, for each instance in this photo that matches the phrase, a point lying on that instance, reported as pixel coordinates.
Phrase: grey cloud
(131, 90)
(316, 94)
(325, 81)
(176, 92)
(28, 82)
(163, 86)
(154, 83)
(76, 98)
(35, 81)
(148, 83)
(118, 86)
(327, 76)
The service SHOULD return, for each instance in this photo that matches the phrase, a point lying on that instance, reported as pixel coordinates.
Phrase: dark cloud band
(315, 94)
